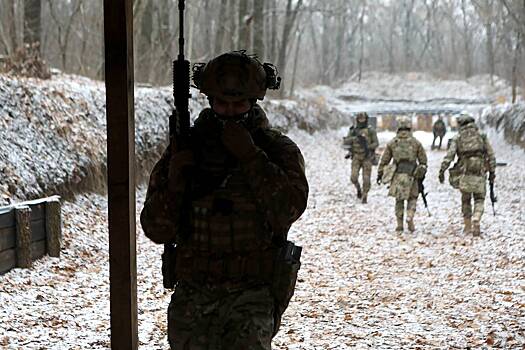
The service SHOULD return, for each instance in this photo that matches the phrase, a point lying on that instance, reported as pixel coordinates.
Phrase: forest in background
(311, 41)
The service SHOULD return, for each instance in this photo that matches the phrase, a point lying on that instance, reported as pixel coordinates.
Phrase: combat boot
(365, 197)
(359, 193)
(410, 224)
(399, 227)
(476, 230)
(468, 226)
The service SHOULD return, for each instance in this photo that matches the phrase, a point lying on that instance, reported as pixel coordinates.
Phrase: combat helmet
(465, 119)
(404, 123)
(235, 76)
(361, 119)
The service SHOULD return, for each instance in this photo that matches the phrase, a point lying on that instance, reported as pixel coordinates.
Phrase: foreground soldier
(475, 159)
(439, 129)
(362, 143)
(245, 185)
(410, 165)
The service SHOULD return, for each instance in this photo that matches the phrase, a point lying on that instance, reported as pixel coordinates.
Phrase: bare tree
(32, 30)
(64, 26)
(258, 28)
(289, 21)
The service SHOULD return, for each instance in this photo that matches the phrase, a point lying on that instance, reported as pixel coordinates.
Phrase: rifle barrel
(181, 30)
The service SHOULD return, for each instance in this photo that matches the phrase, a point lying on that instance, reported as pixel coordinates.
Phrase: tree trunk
(517, 50)
(297, 48)
(361, 42)
(273, 42)
(232, 37)
(243, 35)
(325, 52)
(145, 42)
(206, 43)
(258, 28)
(221, 28)
(32, 26)
(490, 51)
(290, 16)
(11, 26)
(466, 41)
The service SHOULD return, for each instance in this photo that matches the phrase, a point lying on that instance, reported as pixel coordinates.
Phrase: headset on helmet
(235, 76)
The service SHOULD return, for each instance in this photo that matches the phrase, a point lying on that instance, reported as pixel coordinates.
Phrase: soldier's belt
(197, 267)
(405, 167)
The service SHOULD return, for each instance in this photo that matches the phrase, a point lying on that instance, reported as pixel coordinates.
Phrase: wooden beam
(118, 40)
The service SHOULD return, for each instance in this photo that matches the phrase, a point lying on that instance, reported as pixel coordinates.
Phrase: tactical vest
(224, 215)
(471, 151)
(357, 148)
(404, 152)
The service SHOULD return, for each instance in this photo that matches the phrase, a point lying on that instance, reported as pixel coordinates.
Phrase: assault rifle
(423, 194)
(179, 131)
(493, 198)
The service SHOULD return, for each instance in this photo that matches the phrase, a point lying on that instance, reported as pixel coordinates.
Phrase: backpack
(471, 150)
(403, 149)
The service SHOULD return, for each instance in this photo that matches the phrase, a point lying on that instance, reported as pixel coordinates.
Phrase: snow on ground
(378, 91)
(52, 132)
(360, 286)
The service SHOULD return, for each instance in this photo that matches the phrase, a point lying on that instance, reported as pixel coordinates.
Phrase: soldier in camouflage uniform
(475, 158)
(241, 184)
(362, 143)
(439, 129)
(410, 163)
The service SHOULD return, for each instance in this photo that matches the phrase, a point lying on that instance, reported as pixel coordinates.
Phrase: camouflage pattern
(407, 153)
(404, 147)
(237, 210)
(359, 163)
(475, 158)
(232, 76)
(439, 129)
(207, 319)
(361, 160)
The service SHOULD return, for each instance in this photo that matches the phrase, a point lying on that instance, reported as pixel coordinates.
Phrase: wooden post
(118, 39)
(53, 227)
(23, 236)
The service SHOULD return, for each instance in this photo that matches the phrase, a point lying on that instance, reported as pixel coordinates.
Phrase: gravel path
(361, 285)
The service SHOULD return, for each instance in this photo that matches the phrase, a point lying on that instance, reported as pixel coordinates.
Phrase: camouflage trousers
(411, 208)
(359, 163)
(207, 319)
(466, 205)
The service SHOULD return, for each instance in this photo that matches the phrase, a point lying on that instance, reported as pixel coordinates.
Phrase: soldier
(362, 143)
(475, 159)
(439, 129)
(241, 184)
(410, 165)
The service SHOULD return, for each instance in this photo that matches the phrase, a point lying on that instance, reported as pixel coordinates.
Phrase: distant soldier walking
(361, 142)
(439, 129)
(475, 158)
(409, 166)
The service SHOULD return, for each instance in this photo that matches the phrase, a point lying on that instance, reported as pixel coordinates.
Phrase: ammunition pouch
(406, 167)
(286, 266)
(454, 175)
(169, 257)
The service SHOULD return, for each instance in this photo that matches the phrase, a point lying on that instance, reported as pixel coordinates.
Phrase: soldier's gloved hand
(238, 141)
(492, 176)
(441, 177)
(347, 156)
(379, 177)
(178, 163)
